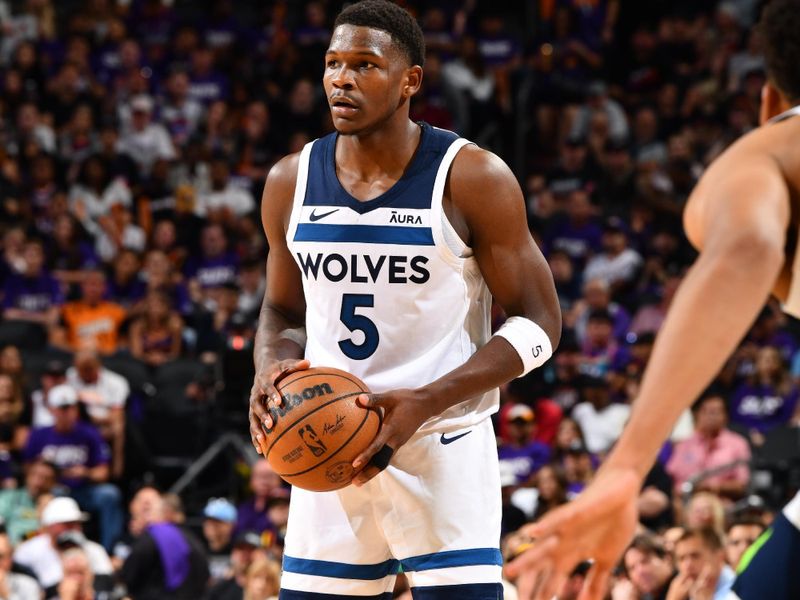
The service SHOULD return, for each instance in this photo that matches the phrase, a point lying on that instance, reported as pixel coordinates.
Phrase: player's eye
(367, 65)
(332, 64)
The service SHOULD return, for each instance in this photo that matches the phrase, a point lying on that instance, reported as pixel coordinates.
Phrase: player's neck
(384, 151)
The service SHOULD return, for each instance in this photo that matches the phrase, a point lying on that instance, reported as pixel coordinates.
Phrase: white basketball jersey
(393, 295)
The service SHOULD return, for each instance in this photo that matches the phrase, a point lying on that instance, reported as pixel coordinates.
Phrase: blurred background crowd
(135, 136)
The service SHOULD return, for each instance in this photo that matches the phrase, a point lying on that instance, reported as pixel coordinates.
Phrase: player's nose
(342, 78)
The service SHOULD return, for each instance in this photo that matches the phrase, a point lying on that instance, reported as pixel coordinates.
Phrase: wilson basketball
(319, 429)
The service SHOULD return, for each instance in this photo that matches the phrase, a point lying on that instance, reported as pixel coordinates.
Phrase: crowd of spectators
(135, 136)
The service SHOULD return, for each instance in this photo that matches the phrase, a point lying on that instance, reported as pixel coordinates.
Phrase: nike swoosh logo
(315, 217)
(446, 440)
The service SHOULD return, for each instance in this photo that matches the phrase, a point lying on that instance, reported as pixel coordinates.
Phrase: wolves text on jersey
(364, 268)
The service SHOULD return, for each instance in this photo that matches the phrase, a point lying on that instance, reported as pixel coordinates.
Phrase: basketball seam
(342, 374)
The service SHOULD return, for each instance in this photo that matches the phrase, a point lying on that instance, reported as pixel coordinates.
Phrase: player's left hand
(597, 525)
(403, 412)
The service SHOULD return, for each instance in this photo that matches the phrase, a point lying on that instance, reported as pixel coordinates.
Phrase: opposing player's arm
(738, 217)
(279, 344)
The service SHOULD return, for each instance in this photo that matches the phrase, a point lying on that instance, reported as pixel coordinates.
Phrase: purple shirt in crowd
(762, 407)
(213, 272)
(34, 294)
(579, 241)
(248, 518)
(208, 88)
(525, 461)
(81, 446)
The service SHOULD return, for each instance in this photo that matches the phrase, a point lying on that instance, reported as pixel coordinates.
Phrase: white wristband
(529, 340)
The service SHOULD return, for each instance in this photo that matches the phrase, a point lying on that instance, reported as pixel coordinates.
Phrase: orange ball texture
(319, 429)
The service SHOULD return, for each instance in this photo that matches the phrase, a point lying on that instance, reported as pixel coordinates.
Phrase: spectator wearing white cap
(145, 141)
(218, 523)
(41, 553)
(82, 456)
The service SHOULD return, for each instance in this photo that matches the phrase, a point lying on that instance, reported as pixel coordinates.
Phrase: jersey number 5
(354, 322)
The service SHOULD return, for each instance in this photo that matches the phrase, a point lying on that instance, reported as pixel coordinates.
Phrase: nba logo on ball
(311, 439)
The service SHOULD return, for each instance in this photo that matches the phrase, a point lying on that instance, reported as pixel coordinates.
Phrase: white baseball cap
(62, 395)
(142, 103)
(62, 510)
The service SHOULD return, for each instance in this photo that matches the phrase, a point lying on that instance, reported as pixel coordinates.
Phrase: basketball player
(388, 240)
(744, 217)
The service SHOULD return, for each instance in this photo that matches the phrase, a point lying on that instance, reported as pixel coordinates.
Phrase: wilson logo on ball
(289, 401)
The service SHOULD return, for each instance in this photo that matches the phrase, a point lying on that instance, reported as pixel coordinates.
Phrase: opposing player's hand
(263, 395)
(597, 525)
(403, 412)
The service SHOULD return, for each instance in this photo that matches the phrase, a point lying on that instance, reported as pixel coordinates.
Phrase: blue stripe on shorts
(425, 562)
(453, 558)
(472, 591)
(325, 568)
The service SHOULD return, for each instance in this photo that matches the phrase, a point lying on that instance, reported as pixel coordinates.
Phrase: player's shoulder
(756, 149)
(284, 172)
(477, 175)
(474, 165)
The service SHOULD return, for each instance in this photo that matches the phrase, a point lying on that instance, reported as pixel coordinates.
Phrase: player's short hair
(709, 536)
(746, 522)
(389, 17)
(712, 392)
(779, 25)
(648, 543)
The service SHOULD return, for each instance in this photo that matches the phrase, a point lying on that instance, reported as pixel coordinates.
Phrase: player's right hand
(597, 525)
(263, 395)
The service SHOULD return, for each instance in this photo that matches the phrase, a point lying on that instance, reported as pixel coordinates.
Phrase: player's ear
(772, 102)
(413, 81)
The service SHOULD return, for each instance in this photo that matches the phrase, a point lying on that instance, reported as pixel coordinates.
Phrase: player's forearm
(710, 314)
(271, 341)
(493, 365)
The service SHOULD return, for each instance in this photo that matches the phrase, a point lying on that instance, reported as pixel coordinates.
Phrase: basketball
(319, 429)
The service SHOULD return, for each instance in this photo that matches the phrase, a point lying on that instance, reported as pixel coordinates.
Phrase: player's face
(367, 78)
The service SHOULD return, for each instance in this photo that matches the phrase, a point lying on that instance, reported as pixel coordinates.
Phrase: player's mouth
(343, 106)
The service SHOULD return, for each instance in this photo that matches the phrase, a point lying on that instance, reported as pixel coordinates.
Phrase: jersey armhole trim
(439, 221)
(299, 190)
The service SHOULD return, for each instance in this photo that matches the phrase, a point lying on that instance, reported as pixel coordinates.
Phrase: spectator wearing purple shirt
(597, 297)
(125, 286)
(496, 46)
(33, 296)
(216, 266)
(82, 457)
(579, 234)
(768, 398)
(521, 454)
(578, 468)
(206, 84)
(252, 513)
(768, 331)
